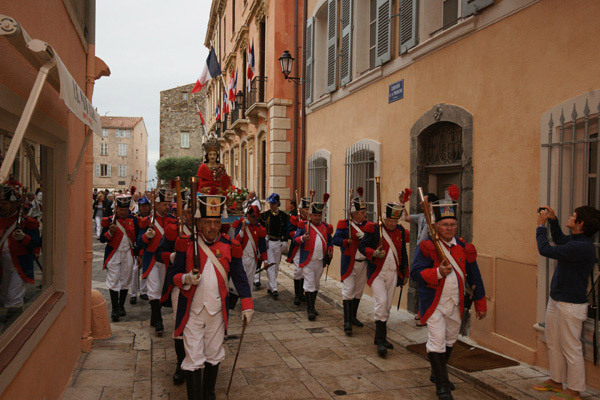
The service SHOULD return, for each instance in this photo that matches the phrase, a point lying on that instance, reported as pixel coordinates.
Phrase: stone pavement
(283, 356)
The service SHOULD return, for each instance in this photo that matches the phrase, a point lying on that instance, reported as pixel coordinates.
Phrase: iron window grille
(317, 177)
(360, 168)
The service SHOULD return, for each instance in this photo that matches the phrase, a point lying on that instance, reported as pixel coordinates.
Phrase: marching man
(119, 233)
(251, 234)
(154, 271)
(20, 238)
(441, 287)
(387, 268)
(353, 263)
(138, 285)
(276, 223)
(202, 311)
(298, 222)
(316, 249)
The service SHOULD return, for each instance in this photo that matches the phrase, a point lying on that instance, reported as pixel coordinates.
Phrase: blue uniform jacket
(306, 249)
(369, 244)
(348, 247)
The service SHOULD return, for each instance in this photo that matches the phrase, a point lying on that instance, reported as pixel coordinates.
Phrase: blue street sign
(396, 91)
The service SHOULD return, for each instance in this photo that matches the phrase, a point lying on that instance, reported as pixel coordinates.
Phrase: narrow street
(283, 356)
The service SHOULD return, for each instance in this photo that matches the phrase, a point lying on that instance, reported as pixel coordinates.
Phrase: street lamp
(239, 99)
(219, 124)
(287, 61)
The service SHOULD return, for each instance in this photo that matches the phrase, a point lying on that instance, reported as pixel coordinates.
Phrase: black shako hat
(318, 208)
(305, 203)
(123, 200)
(164, 195)
(447, 208)
(393, 210)
(210, 206)
(358, 203)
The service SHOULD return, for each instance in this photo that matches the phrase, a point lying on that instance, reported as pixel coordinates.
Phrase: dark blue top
(576, 255)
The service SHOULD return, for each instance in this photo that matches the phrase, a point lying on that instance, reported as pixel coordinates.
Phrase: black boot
(314, 302)
(297, 292)
(133, 299)
(347, 316)
(379, 332)
(448, 353)
(309, 306)
(356, 322)
(114, 301)
(158, 324)
(210, 380)
(193, 383)
(387, 344)
(178, 376)
(122, 298)
(303, 294)
(440, 374)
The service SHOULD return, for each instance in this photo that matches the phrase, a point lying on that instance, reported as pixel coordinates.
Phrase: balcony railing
(236, 114)
(257, 91)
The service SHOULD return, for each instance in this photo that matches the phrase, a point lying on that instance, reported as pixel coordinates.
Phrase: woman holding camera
(567, 305)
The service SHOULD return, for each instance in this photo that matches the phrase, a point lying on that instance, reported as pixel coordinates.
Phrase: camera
(541, 208)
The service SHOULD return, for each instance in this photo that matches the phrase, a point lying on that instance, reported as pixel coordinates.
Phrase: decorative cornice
(216, 9)
(258, 11)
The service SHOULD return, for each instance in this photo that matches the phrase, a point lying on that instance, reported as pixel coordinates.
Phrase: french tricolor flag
(200, 114)
(217, 114)
(212, 69)
(232, 84)
(250, 64)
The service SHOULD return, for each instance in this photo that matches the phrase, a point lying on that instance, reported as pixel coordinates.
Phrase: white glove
(172, 257)
(192, 279)
(247, 315)
(360, 234)
(18, 235)
(150, 233)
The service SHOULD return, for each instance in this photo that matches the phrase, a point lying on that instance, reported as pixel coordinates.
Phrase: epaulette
(236, 249)
(181, 244)
(471, 252)
(31, 223)
(301, 224)
(236, 224)
(225, 238)
(294, 220)
(262, 232)
(406, 235)
(144, 222)
(342, 224)
(105, 222)
(370, 227)
(427, 248)
(330, 229)
(171, 232)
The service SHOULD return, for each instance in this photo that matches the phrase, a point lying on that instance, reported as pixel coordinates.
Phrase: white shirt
(318, 250)
(207, 293)
(450, 290)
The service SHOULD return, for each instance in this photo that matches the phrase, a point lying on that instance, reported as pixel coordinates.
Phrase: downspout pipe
(303, 100)
(296, 116)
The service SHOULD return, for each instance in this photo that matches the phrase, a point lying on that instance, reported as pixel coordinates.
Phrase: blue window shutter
(346, 42)
(470, 7)
(409, 23)
(332, 17)
(383, 27)
(308, 70)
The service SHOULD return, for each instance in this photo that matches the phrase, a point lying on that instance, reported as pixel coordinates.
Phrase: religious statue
(211, 173)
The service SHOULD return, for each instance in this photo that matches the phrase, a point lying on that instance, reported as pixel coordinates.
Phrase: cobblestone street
(283, 356)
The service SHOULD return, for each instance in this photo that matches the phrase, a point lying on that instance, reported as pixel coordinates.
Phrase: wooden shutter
(331, 45)
(470, 7)
(346, 42)
(97, 169)
(383, 27)
(409, 22)
(308, 71)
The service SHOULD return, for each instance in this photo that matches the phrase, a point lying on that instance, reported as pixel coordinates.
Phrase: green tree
(172, 167)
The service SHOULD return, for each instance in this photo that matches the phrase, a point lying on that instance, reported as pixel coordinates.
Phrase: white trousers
(564, 322)
(12, 288)
(203, 340)
(274, 257)
(298, 273)
(249, 262)
(155, 281)
(98, 225)
(119, 270)
(383, 287)
(138, 284)
(443, 327)
(354, 285)
(312, 275)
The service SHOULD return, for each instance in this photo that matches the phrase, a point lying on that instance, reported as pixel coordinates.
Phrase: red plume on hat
(325, 197)
(132, 190)
(360, 191)
(453, 192)
(406, 195)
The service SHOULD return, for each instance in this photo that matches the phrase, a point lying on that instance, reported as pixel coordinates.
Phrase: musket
(21, 208)
(194, 234)
(466, 314)
(400, 195)
(350, 215)
(179, 206)
(236, 356)
(379, 219)
(312, 196)
(153, 200)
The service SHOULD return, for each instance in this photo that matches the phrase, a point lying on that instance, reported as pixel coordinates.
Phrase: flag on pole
(217, 114)
(225, 107)
(200, 114)
(250, 64)
(211, 70)
(232, 89)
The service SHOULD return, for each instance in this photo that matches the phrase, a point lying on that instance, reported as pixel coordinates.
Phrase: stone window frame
(326, 155)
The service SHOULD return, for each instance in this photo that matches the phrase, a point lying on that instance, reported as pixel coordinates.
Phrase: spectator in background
(252, 200)
(567, 305)
(419, 219)
(98, 212)
(293, 208)
(95, 194)
(36, 210)
(13, 182)
(109, 205)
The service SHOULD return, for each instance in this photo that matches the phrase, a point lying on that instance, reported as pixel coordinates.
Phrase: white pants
(312, 275)
(138, 284)
(98, 225)
(249, 262)
(203, 340)
(13, 286)
(443, 327)
(383, 287)
(274, 257)
(155, 281)
(298, 273)
(354, 284)
(119, 270)
(564, 322)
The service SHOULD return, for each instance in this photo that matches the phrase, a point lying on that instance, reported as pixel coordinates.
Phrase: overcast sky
(150, 46)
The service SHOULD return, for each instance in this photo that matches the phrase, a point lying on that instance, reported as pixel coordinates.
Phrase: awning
(44, 58)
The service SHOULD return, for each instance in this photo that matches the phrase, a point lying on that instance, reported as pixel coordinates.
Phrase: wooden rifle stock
(194, 234)
(435, 238)
(179, 206)
(312, 197)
